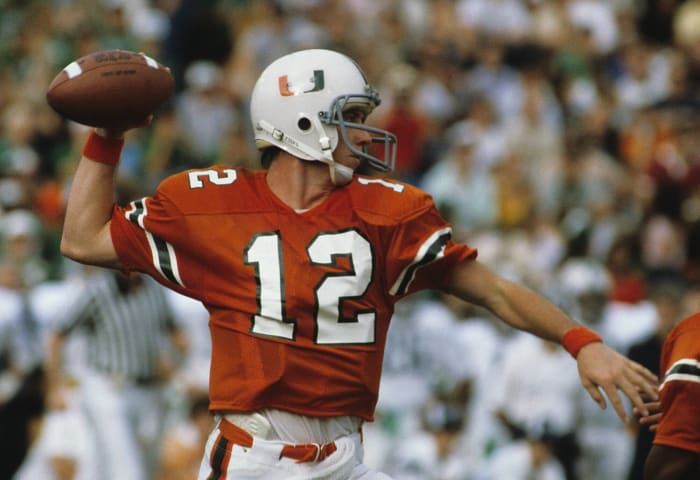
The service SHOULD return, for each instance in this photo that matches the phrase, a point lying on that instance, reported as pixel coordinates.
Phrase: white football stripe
(73, 70)
(149, 61)
(424, 252)
(171, 261)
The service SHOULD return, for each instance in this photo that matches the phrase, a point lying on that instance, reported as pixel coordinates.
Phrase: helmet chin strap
(340, 174)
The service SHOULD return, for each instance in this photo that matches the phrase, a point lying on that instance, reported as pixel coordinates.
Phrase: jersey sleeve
(680, 425)
(150, 236)
(422, 253)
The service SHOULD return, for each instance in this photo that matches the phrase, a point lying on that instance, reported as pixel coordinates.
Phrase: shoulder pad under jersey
(209, 190)
(387, 201)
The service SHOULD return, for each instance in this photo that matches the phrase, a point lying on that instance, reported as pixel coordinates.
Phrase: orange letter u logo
(287, 90)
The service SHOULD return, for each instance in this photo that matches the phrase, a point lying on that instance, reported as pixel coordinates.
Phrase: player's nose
(359, 137)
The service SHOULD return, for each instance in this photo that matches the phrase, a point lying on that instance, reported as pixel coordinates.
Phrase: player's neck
(299, 184)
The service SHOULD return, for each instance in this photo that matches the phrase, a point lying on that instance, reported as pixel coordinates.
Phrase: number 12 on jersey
(264, 253)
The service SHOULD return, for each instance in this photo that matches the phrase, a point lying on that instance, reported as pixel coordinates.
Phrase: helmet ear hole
(304, 124)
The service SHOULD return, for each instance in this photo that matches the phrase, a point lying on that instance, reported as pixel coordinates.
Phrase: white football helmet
(297, 105)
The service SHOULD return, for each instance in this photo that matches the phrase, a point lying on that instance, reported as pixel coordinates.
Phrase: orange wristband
(103, 150)
(576, 338)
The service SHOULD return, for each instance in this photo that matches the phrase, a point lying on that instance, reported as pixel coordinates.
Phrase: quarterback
(300, 265)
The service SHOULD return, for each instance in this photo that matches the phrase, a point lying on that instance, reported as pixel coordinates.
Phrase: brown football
(110, 89)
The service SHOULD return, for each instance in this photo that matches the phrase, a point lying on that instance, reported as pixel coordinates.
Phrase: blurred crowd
(560, 137)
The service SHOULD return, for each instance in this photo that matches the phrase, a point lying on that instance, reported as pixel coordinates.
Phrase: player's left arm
(600, 367)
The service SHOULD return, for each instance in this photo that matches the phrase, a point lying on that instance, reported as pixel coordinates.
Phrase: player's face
(360, 139)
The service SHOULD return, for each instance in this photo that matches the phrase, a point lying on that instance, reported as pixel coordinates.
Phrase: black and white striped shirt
(125, 326)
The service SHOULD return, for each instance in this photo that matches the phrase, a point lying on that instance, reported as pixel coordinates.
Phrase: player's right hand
(115, 133)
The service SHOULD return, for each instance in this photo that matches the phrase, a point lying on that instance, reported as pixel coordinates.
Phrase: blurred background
(560, 137)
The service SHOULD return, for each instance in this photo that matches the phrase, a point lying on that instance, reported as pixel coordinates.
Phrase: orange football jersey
(680, 391)
(299, 302)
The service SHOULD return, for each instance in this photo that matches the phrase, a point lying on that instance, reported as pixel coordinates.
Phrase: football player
(675, 454)
(300, 265)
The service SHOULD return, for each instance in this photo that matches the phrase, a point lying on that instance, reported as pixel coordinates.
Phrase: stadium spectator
(126, 321)
(543, 406)
(465, 191)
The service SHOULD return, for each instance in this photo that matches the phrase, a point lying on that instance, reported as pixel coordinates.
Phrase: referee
(130, 348)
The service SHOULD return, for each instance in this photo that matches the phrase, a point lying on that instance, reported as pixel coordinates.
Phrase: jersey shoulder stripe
(162, 252)
(680, 357)
(686, 369)
(432, 249)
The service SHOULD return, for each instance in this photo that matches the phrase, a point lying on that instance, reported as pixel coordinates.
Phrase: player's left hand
(602, 368)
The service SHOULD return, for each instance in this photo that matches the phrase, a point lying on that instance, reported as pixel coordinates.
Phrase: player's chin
(352, 161)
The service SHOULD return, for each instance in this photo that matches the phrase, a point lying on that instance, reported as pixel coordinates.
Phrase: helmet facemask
(366, 102)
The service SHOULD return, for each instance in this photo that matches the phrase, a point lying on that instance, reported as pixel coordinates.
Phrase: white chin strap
(340, 174)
